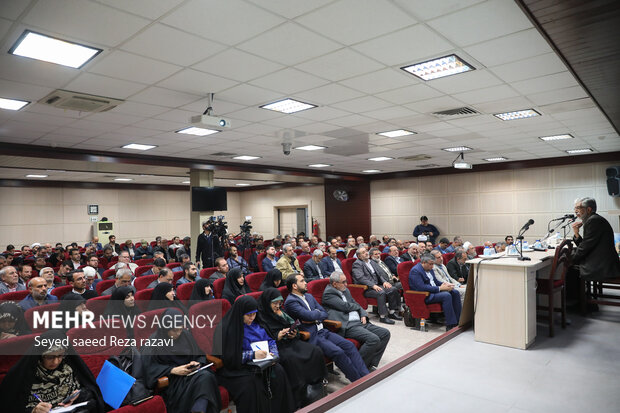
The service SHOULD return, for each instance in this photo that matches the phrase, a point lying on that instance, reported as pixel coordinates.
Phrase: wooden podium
(501, 298)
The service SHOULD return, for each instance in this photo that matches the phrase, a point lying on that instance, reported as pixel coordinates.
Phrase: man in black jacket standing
(207, 247)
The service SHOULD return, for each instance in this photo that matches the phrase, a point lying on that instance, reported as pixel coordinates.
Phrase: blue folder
(114, 384)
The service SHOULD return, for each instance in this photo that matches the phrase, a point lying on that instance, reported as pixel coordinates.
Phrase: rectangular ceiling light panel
(288, 106)
(48, 49)
(12, 104)
(519, 114)
(440, 67)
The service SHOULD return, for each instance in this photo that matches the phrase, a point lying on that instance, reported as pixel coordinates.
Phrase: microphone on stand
(527, 225)
(520, 237)
(565, 217)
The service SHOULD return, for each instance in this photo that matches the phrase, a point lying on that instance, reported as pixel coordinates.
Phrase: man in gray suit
(312, 271)
(364, 273)
(341, 306)
(382, 270)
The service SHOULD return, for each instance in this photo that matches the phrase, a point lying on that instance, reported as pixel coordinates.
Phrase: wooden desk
(504, 298)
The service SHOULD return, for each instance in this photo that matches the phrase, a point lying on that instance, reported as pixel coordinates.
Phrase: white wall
(487, 205)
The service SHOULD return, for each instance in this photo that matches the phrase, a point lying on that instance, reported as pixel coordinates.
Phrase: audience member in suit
(443, 276)
(95, 243)
(236, 261)
(77, 279)
(222, 269)
(444, 246)
(391, 242)
(457, 267)
(273, 279)
(412, 254)
(351, 246)
(158, 264)
(341, 306)
(302, 306)
(207, 247)
(123, 279)
(382, 270)
(130, 248)
(116, 249)
(161, 246)
(422, 278)
(270, 261)
(388, 297)
(331, 263)
(393, 260)
(144, 251)
(165, 276)
(428, 231)
(288, 264)
(312, 270)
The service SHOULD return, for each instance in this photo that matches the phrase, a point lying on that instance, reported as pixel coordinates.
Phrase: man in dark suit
(363, 273)
(207, 247)
(331, 263)
(412, 254)
(312, 271)
(422, 278)
(393, 260)
(595, 253)
(382, 270)
(457, 267)
(341, 306)
(270, 261)
(305, 308)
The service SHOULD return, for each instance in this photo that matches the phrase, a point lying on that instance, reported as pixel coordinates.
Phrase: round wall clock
(341, 195)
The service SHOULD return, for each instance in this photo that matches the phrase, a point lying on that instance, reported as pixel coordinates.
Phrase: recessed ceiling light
(242, 184)
(457, 149)
(36, 176)
(246, 157)
(496, 159)
(12, 104)
(556, 137)
(123, 179)
(48, 49)
(139, 146)
(288, 106)
(440, 67)
(311, 147)
(574, 151)
(380, 158)
(192, 130)
(185, 182)
(519, 114)
(396, 133)
(319, 165)
(371, 171)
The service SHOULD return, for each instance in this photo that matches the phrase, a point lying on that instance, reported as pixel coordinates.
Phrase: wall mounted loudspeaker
(613, 180)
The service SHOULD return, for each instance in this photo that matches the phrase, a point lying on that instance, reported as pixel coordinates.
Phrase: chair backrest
(173, 265)
(176, 276)
(146, 326)
(352, 253)
(143, 261)
(447, 257)
(340, 255)
(98, 304)
(15, 295)
(140, 283)
(141, 270)
(316, 288)
(87, 340)
(110, 273)
(561, 260)
(260, 259)
(218, 287)
(480, 249)
(213, 310)
(403, 270)
(284, 291)
(384, 255)
(104, 285)
(184, 291)
(29, 315)
(143, 298)
(12, 350)
(347, 267)
(62, 290)
(255, 279)
(206, 272)
(254, 294)
(302, 260)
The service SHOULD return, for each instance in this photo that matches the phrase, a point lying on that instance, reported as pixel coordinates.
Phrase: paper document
(261, 345)
(68, 408)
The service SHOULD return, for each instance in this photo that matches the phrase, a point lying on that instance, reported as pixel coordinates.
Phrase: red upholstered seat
(213, 310)
(480, 249)
(11, 350)
(340, 255)
(255, 279)
(143, 261)
(218, 287)
(253, 294)
(87, 340)
(29, 315)
(104, 285)
(206, 272)
(284, 291)
(184, 291)
(415, 299)
(143, 297)
(141, 270)
(384, 255)
(155, 405)
(109, 274)
(447, 257)
(145, 327)
(316, 288)
(14, 296)
(98, 305)
(176, 276)
(140, 283)
(302, 260)
(62, 290)
(260, 259)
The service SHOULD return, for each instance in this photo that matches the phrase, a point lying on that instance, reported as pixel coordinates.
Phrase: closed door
(292, 221)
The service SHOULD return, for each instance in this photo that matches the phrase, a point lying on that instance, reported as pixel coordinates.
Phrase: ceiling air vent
(415, 158)
(67, 100)
(458, 112)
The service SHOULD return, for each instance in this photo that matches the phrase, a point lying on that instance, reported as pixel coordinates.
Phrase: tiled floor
(576, 371)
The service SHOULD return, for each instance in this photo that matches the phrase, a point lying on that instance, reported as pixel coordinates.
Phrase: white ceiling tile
(139, 109)
(258, 128)
(249, 95)
(24, 70)
(559, 95)
(409, 94)
(94, 126)
(196, 82)
(283, 44)
(4, 27)
(220, 107)
(176, 115)
(289, 81)
(425, 10)
(86, 21)
(362, 104)
(529, 68)
(544, 83)
(290, 9)
(161, 125)
(115, 118)
(322, 113)
(78, 133)
(489, 94)
(328, 94)
(104, 86)
(516, 46)
(434, 105)
(164, 97)
(238, 65)
(11, 9)
(132, 67)
(475, 79)
(390, 113)
(405, 46)
(353, 21)
(172, 45)
(380, 81)
(341, 64)
(482, 22)
(22, 91)
(146, 8)
(504, 105)
(136, 132)
(228, 22)
(255, 114)
(39, 119)
(287, 122)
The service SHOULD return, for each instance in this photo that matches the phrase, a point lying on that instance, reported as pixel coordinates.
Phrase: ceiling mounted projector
(461, 164)
(209, 121)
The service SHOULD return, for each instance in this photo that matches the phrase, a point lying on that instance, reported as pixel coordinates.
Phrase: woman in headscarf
(252, 389)
(303, 362)
(273, 279)
(12, 321)
(46, 375)
(235, 285)
(202, 291)
(122, 304)
(177, 359)
(164, 296)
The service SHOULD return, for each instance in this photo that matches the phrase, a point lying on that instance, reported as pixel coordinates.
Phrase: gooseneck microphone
(527, 225)
(565, 217)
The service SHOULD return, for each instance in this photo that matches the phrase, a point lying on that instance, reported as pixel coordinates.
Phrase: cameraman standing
(425, 231)
(207, 247)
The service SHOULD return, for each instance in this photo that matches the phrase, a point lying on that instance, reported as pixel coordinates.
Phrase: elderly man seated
(123, 279)
(312, 268)
(38, 294)
(9, 280)
(288, 264)
(412, 254)
(442, 274)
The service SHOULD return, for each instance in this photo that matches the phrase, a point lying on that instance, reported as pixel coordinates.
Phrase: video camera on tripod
(218, 228)
(245, 234)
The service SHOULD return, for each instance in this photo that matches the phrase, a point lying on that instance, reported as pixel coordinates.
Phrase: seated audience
(457, 242)
(509, 240)
(125, 260)
(270, 260)
(116, 249)
(443, 276)
(25, 274)
(158, 264)
(312, 270)
(190, 274)
(304, 307)
(381, 269)
(90, 276)
(273, 279)
(48, 374)
(351, 246)
(9, 280)
(161, 245)
(288, 264)
(77, 279)
(38, 294)
(47, 274)
(183, 258)
(422, 278)
(130, 248)
(164, 296)
(412, 254)
(222, 269)
(76, 258)
(236, 261)
(122, 304)
(470, 249)
(184, 249)
(94, 243)
(12, 321)
(107, 258)
(391, 242)
(330, 263)
(164, 276)
(341, 306)
(444, 246)
(500, 247)
(392, 260)
(457, 268)
(144, 251)
(302, 361)
(235, 285)
(305, 248)
(202, 291)
(123, 279)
